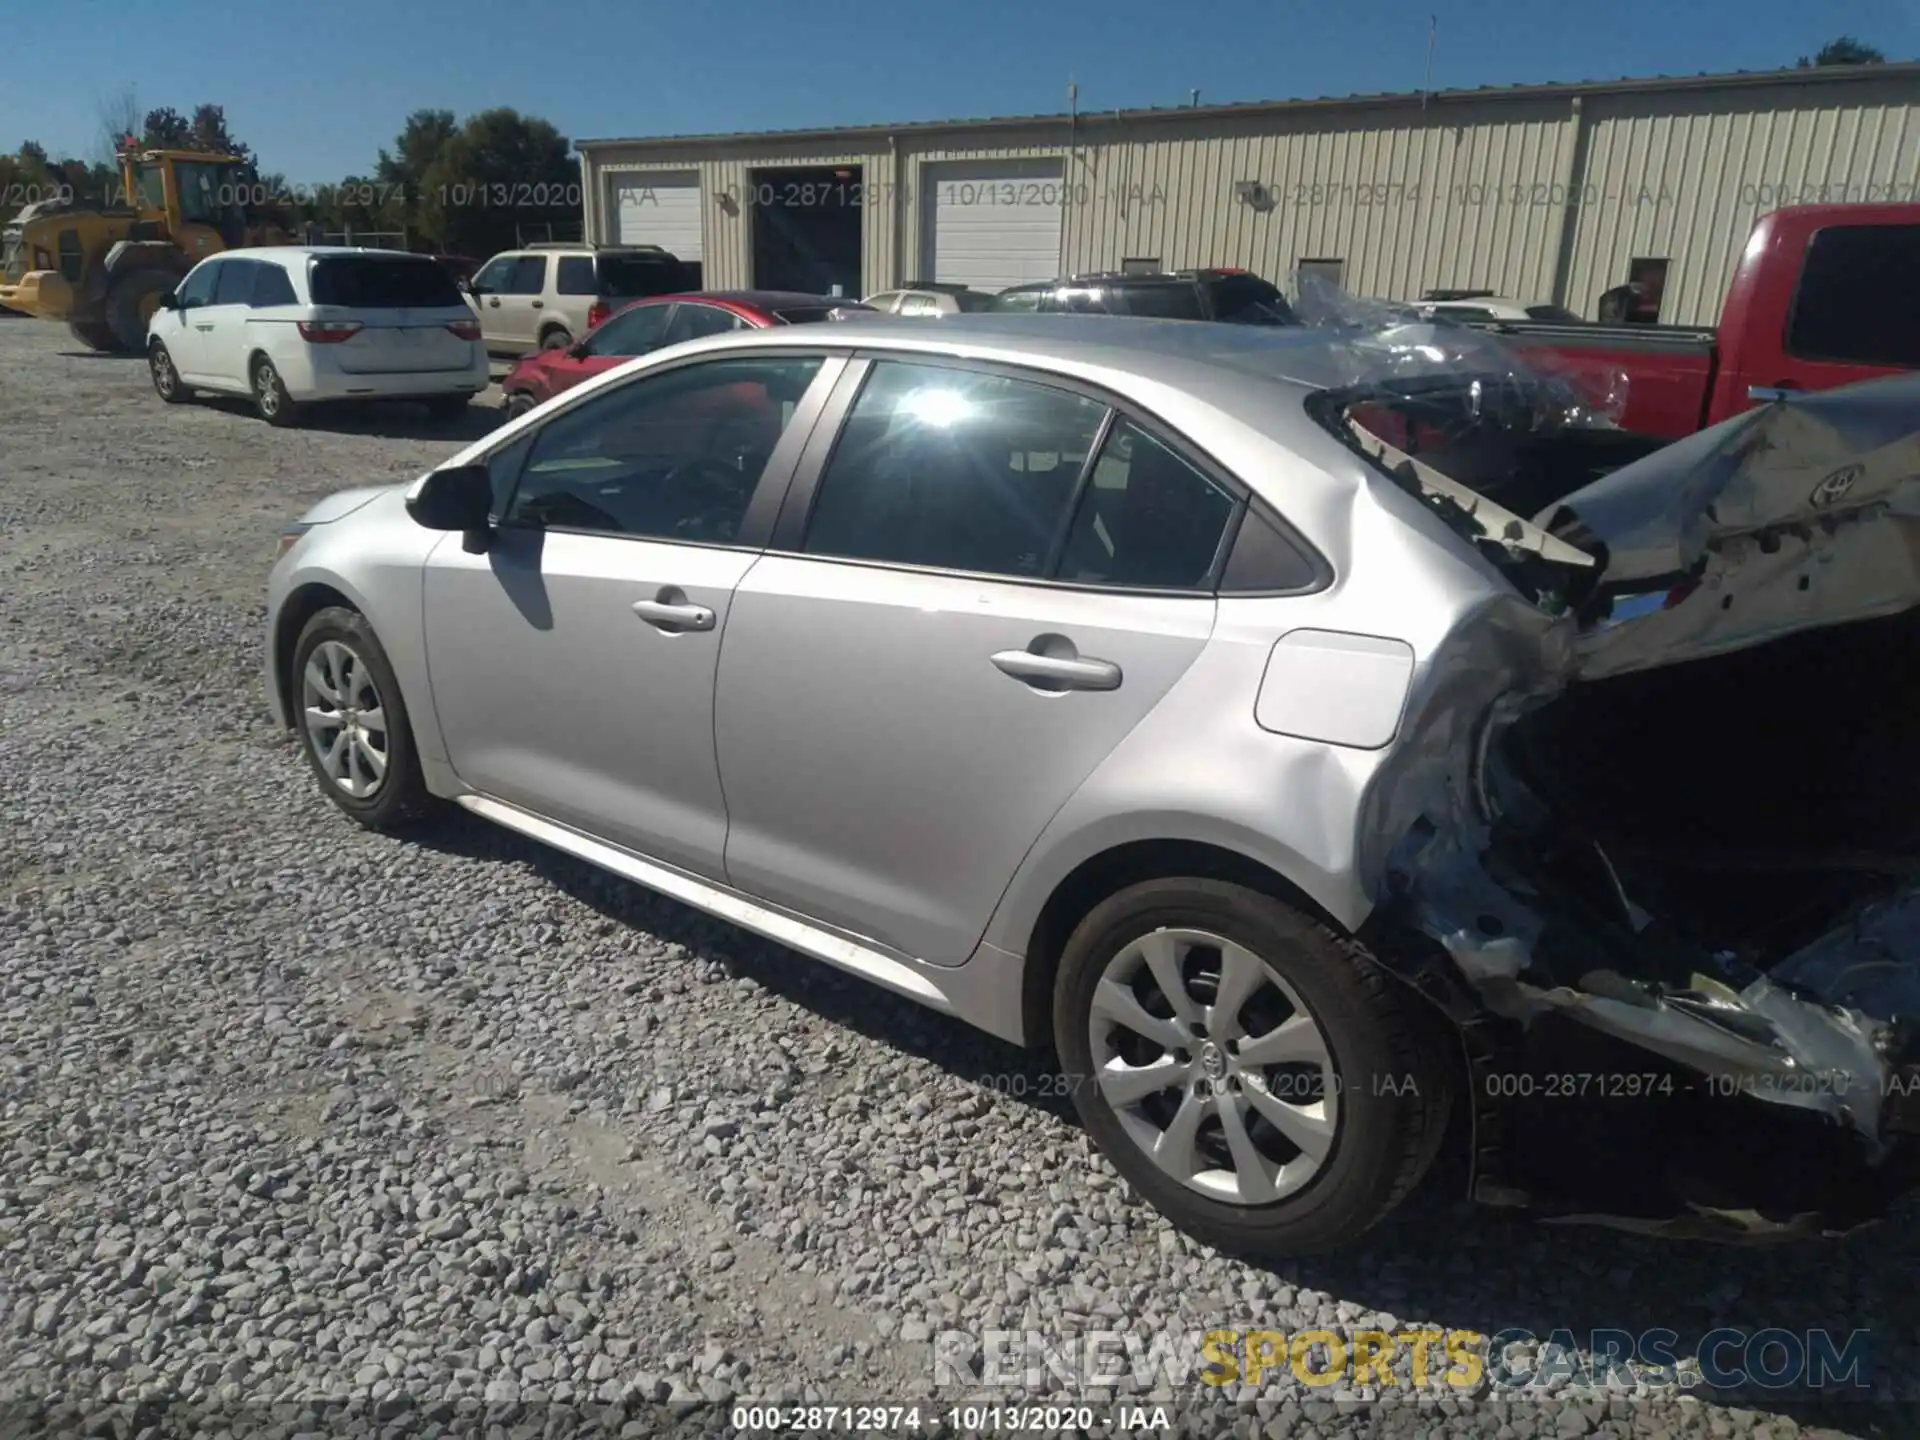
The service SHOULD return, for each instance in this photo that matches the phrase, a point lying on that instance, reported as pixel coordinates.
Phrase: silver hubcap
(162, 371)
(346, 724)
(1214, 1066)
(268, 391)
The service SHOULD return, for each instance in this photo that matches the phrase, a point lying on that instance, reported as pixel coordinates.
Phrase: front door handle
(203, 327)
(494, 303)
(671, 611)
(1058, 672)
(539, 304)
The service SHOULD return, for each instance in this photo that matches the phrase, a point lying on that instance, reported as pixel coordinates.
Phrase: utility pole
(1426, 86)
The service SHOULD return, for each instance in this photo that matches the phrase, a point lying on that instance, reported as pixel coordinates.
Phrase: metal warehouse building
(1544, 192)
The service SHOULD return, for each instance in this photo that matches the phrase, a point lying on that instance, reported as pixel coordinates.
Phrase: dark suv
(1237, 296)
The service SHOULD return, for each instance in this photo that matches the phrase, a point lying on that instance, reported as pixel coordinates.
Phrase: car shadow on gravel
(1439, 1257)
(121, 355)
(387, 419)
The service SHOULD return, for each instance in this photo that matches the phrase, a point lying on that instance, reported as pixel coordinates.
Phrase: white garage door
(656, 207)
(991, 224)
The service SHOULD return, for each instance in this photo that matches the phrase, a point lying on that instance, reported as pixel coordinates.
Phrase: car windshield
(367, 282)
(633, 277)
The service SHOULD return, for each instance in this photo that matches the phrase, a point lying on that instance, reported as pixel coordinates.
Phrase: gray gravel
(292, 1112)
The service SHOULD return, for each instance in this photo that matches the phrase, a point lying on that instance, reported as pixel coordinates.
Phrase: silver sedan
(1261, 722)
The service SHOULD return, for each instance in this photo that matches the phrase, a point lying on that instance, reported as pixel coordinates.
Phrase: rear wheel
(95, 335)
(166, 380)
(352, 722)
(270, 396)
(1258, 1078)
(555, 338)
(131, 305)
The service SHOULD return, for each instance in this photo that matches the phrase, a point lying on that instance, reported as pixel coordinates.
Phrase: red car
(647, 325)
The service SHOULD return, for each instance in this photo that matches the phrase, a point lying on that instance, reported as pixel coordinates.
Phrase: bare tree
(120, 115)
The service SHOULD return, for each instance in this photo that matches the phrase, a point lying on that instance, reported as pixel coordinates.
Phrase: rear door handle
(1055, 672)
(671, 611)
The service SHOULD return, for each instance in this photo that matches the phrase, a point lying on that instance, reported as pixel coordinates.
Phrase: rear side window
(235, 286)
(1021, 300)
(634, 277)
(1163, 302)
(576, 275)
(1146, 518)
(368, 282)
(1249, 300)
(955, 470)
(272, 286)
(1859, 302)
(810, 314)
(694, 322)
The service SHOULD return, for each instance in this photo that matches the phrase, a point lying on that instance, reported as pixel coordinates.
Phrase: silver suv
(546, 296)
(1189, 700)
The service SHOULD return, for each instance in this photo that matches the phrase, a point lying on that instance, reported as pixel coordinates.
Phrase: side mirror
(459, 498)
(577, 350)
(170, 300)
(466, 284)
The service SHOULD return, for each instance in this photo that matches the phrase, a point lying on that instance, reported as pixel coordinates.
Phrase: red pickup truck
(1825, 295)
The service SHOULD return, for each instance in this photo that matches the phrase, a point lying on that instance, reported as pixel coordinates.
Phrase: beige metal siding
(1466, 192)
(1683, 177)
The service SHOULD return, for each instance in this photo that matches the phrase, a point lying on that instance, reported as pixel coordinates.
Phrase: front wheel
(518, 403)
(166, 380)
(1258, 1078)
(353, 722)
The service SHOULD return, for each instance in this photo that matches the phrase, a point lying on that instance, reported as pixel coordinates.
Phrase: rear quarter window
(632, 277)
(272, 286)
(369, 283)
(1858, 302)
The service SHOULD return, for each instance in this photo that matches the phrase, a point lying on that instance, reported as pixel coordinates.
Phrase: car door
(488, 287)
(934, 655)
(222, 325)
(573, 663)
(523, 303)
(195, 294)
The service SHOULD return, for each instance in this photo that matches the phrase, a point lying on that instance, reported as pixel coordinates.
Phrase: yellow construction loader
(103, 268)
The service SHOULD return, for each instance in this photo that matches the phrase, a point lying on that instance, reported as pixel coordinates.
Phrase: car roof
(283, 254)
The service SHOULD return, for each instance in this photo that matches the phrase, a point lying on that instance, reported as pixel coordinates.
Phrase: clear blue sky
(318, 87)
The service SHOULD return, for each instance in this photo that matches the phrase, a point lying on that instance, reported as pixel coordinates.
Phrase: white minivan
(296, 325)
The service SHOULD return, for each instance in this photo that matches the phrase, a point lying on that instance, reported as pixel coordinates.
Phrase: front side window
(674, 456)
(1147, 518)
(492, 277)
(632, 332)
(528, 277)
(236, 283)
(1858, 302)
(205, 191)
(953, 469)
(198, 289)
(150, 187)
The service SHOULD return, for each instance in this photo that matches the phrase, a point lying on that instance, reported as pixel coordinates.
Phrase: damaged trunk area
(1725, 857)
(1661, 808)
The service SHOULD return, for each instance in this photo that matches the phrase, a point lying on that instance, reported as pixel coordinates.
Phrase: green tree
(502, 173)
(166, 129)
(1844, 51)
(208, 131)
(403, 169)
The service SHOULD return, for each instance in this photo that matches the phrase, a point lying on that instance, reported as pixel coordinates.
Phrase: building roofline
(1089, 119)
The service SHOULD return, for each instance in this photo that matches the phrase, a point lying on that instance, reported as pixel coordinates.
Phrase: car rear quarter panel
(1200, 768)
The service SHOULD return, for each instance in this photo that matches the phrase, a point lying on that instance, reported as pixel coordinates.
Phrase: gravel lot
(289, 1111)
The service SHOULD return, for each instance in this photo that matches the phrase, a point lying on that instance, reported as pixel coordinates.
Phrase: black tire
(1395, 1078)
(167, 383)
(518, 403)
(401, 793)
(95, 335)
(442, 408)
(555, 338)
(270, 398)
(127, 310)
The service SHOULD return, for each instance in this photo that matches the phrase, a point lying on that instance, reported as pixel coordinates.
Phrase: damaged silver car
(1326, 740)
